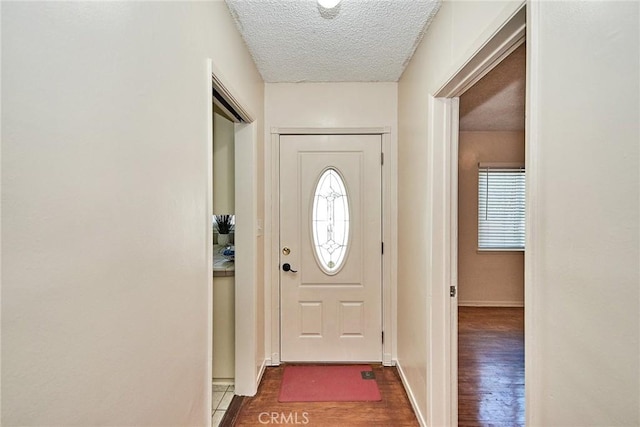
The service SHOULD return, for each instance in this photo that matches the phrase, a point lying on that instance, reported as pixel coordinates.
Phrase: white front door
(331, 248)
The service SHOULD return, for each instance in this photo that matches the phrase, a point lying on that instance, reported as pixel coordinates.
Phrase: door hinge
(382, 337)
(452, 291)
(382, 247)
(382, 158)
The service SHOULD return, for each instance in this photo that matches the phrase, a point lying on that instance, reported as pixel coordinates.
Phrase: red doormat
(332, 383)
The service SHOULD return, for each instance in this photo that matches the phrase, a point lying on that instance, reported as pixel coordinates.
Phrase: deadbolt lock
(286, 251)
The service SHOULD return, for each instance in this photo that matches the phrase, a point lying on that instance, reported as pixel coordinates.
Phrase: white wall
(485, 278)
(458, 30)
(325, 105)
(105, 140)
(582, 272)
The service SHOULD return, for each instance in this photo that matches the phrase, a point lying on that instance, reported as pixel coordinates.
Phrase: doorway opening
(491, 237)
(446, 124)
(223, 197)
(231, 190)
(223, 290)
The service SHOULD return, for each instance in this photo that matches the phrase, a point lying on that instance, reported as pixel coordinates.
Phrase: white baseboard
(274, 360)
(387, 360)
(490, 303)
(410, 394)
(223, 381)
(261, 373)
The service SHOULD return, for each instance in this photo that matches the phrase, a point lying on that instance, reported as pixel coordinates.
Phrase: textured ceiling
(496, 102)
(358, 41)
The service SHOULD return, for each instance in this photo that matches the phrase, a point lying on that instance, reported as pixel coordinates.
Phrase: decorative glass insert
(330, 221)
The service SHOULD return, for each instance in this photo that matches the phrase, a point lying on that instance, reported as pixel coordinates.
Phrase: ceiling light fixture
(328, 4)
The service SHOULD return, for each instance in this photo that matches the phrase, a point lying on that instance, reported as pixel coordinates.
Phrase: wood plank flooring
(490, 384)
(490, 366)
(393, 410)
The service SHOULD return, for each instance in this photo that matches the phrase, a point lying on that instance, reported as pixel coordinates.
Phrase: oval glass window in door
(330, 221)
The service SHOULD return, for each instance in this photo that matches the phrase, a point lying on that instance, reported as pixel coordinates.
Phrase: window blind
(501, 207)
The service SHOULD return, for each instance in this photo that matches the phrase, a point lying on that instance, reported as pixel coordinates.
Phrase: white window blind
(501, 205)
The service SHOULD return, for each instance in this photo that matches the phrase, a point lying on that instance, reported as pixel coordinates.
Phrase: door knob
(287, 267)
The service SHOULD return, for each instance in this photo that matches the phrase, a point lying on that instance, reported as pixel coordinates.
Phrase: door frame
(247, 351)
(445, 123)
(389, 233)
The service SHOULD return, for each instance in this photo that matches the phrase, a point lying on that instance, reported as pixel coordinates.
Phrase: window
(501, 205)
(330, 221)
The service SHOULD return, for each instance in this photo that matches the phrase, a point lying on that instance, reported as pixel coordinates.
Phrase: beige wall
(223, 166)
(458, 30)
(235, 66)
(223, 328)
(105, 140)
(485, 278)
(582, 270)
(331, 105)
(582, 277)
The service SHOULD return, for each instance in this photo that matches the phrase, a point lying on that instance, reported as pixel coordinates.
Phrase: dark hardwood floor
(490, 366)
(393, 410)
(490, 384)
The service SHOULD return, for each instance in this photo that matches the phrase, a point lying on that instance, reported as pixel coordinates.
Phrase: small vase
(223, 239)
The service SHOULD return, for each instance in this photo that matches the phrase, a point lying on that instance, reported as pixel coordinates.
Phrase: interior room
(109, 294)
(491, 264)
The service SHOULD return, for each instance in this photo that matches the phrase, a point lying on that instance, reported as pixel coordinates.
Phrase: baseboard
(223, 381)
(387, 360)
(261, 373)
(410, 394)
(490, 303)
(274, 360)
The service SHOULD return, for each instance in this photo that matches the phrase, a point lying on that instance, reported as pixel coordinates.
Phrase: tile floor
(222, 395)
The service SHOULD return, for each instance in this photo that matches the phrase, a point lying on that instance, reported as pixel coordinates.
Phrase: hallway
(393, 410)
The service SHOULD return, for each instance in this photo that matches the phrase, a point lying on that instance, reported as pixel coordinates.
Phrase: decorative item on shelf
(230, 252)
(224, 223)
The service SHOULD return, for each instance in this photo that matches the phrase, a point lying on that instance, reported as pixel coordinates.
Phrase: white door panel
(331, 313)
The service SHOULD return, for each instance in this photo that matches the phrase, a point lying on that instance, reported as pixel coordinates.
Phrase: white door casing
(331, 316)
(445, 116)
